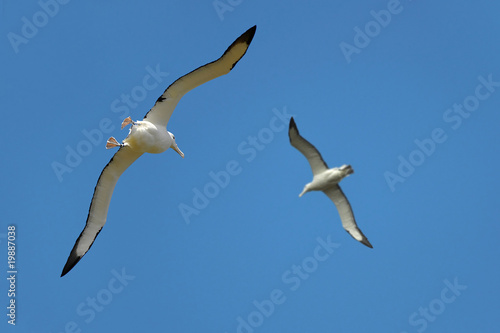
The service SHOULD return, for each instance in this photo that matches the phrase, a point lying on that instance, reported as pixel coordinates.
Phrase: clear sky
(406, 92)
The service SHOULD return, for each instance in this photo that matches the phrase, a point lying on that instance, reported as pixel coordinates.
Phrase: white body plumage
(146, 137)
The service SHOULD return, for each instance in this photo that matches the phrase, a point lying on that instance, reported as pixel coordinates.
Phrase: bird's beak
(174, 147)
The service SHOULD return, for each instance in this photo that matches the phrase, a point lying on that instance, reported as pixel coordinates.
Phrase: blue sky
(406, 92)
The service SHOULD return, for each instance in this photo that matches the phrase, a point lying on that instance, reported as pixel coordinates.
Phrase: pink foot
(126, 121)
(112, 143)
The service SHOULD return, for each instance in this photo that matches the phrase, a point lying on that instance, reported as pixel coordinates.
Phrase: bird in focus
(149, 135)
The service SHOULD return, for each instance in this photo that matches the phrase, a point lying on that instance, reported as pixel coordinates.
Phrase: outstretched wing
(346, 215)
(166, 103)
(98, 210)
(313, 156)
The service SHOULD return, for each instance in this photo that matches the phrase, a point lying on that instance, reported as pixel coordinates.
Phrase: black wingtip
(292, 124)
(72, 261)
(247, 36)
(367, 243)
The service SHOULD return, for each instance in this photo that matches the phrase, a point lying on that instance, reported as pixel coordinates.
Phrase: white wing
(166, 103)
(98, 210)
(313, 156)
(346, 216)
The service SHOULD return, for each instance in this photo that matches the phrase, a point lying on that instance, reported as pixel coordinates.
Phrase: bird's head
(305, 190)
(174, 145)
(347, 170)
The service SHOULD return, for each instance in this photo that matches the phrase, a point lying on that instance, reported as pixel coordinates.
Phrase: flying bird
(327, 180)
(149, 135)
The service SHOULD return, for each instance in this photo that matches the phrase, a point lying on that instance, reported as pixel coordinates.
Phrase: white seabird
(327, 180)
(149, 136)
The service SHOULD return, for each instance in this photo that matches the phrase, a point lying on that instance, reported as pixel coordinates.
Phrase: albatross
(327, 180)
(149, 135)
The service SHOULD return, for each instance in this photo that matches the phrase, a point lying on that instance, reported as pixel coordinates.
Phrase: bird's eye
(173, 136)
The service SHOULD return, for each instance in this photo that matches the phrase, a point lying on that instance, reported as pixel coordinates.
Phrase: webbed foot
(112, 143)
(127, 121)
